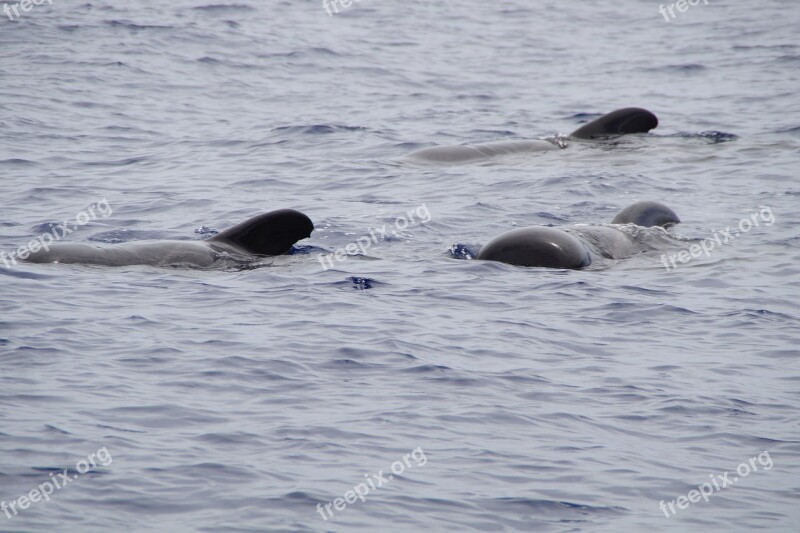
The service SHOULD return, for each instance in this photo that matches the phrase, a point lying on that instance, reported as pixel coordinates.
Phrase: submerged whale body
(541, 246)
(476, 152)
(267, 234)
(619, 122)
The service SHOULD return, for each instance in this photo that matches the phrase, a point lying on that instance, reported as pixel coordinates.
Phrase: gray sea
(406, 388)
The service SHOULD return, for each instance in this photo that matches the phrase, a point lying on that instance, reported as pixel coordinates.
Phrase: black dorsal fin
(619, 122)
(272, 233)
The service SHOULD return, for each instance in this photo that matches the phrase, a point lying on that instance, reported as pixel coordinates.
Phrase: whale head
(538, 246)
(647, 214)
(619, 122)
(272, 233)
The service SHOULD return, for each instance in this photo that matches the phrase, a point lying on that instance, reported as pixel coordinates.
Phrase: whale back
(476, 152)
(272, 233)
(647, 214)
(619, 122)
(537, 246)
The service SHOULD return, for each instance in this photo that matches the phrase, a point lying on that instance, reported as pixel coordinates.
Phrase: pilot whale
(543, 246)
(619, 122)
(267, 234)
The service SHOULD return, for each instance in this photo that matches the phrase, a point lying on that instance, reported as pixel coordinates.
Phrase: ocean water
(512, 399)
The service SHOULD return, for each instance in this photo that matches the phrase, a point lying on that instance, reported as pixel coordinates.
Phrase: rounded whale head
(619, 122)
(272, 233)
(537, 246)
(647, 214)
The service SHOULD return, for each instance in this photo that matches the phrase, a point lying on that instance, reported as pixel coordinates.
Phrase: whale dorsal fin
(619, 122)
(271, 233)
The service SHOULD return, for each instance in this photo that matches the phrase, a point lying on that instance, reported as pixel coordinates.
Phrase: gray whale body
(542, 246)
(467, 153)
(267, 234)
(619, 122)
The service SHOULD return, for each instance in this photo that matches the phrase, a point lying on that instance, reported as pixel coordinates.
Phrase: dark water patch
(426, 369)
(526, 380)
(123, 430)
(292, 54)
(688, 68)
(479, 97)
(51, 427)
(628, 311)
(317, 129)
(552, 216)
(784, 354)
(743, 47)
(323, 50)
(215, 9)
(762, 315)
(71, 471)
(230, 264)
(128, 129)
(358, 283)
(793, 130)
(584, 117)
(135, 27)
(163, 415)
(118, 163)
(492, 133)
(306, 249)
(710, 137)
(234, 438)
(563, 510)
(141, 320)
(347, 364)
(17, 162)
(93, 105)
(218, 471)
(21, 274)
